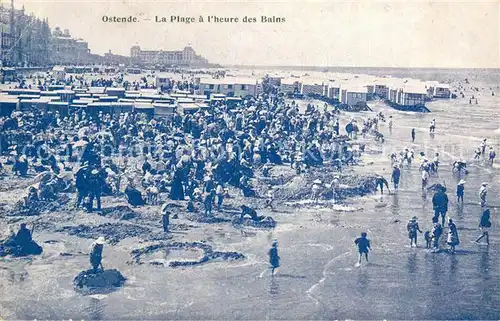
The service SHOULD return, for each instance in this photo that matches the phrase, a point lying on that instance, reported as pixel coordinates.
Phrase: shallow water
(317, 278)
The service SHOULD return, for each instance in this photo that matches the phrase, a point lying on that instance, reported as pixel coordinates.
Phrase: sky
(444, 34)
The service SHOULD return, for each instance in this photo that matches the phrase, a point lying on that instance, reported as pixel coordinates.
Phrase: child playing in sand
(363, 247)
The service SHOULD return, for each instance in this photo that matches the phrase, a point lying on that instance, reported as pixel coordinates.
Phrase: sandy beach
(317, 278)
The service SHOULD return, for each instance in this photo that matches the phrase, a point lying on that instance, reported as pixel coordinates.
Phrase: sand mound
(299, 188)
(114, 233)
(40, 207)
(88, 282)
(119, 212)
(139, 256)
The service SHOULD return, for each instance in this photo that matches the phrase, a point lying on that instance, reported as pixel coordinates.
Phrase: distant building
(24, 39)
(112, 59)
(186, 57)
(65, 50)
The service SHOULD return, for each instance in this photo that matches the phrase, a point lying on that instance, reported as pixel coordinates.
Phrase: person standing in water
(396, 174)
(363, 247)
(437, 231)
(482, 194)
(432, 127)
(413, 228)
(452, 240)
(460, 191)
(484, 225)
(425, 179)
(274, 258)
(492, 155)
(413, 135)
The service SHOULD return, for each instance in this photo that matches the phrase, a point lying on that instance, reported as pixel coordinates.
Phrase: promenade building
(185, 57)
(24, 38)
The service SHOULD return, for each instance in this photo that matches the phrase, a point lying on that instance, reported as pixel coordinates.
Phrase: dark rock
(102, 282)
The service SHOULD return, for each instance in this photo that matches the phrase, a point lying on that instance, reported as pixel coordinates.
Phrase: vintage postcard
(249, 160)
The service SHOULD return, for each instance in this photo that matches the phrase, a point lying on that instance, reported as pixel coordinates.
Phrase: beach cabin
(7, 74)
(96, 107)
(381, 91)
(164, 110)
(233, 102)
(57, 106)
(116, 92)
(108, 99)
(59, 73)
(144, 108)
(231, 86)
(162, 81)
(56, 87)
(8, 105)
(312, 87)
(66, 95)
(442, 91)
(191, 108)
(353, 95)
(290, 85)
(333, 90)
(412, 95)
(122, 107)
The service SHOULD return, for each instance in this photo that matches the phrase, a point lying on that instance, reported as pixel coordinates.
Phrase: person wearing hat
(95, 185)
(274, 258)
(396, 174)
(460, 191)
(316, 190)
(96, 254)
(412, 228)
(482, 194)
(363, 244)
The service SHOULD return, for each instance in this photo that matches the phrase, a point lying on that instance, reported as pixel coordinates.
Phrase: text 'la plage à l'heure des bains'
(191, 19)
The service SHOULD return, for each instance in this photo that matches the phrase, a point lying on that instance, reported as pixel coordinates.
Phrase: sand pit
(114, 233)
(178, 254)
(102, 282)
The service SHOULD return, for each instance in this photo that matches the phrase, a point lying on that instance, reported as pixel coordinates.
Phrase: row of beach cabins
(94, 100)
(350, 92)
